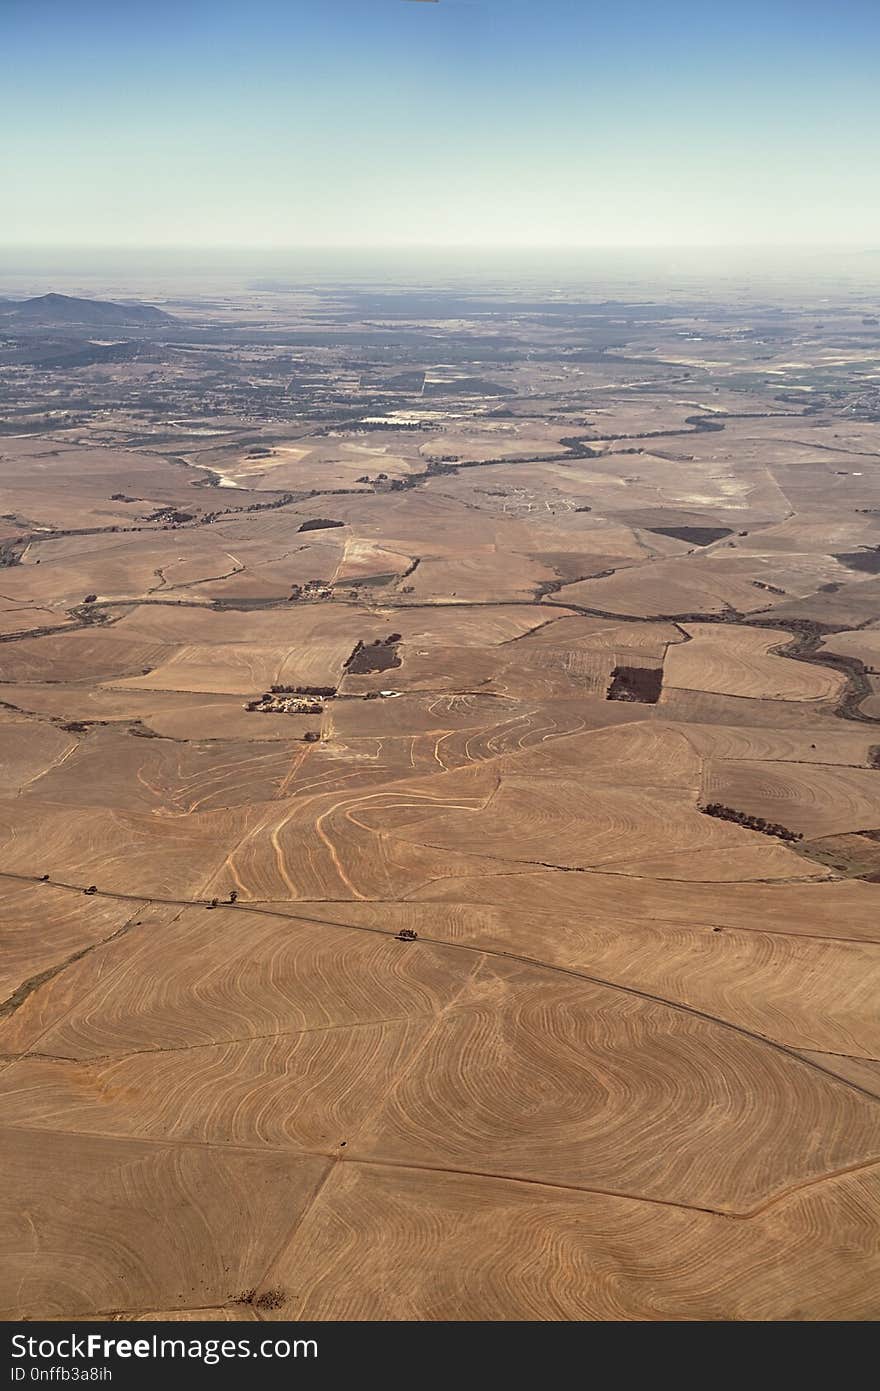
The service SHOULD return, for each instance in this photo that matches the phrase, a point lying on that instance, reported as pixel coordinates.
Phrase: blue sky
(467, 122)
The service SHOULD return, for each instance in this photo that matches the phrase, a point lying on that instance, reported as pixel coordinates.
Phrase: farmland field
(440, 812)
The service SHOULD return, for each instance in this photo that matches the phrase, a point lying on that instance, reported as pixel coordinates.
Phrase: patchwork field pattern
(440, 817)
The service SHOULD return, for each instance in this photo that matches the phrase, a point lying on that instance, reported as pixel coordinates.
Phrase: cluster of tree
(172, 515)
(215, 902)
(312, 589)
(325, 691)
(283, 501)
(751, 823)
(380, 655)
(319, 524)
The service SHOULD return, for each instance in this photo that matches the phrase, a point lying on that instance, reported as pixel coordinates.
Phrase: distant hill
(59, 311)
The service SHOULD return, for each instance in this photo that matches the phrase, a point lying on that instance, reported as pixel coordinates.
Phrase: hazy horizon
(604, 271)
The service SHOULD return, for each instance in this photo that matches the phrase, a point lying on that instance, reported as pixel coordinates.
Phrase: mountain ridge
(56, 311)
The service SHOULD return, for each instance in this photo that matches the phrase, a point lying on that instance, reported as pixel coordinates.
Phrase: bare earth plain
(440, 808)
